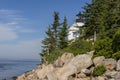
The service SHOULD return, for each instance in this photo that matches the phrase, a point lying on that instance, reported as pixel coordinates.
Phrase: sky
(23, 24)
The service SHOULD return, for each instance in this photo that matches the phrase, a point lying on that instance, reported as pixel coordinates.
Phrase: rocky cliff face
(80, 67)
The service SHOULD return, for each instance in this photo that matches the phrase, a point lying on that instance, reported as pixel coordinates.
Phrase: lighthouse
(73, 30)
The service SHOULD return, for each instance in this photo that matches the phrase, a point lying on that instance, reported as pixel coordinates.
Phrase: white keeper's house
(73, 30)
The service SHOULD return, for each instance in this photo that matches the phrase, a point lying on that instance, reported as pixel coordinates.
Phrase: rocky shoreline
(80, 67)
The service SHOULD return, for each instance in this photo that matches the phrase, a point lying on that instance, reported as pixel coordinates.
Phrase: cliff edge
(80, 67)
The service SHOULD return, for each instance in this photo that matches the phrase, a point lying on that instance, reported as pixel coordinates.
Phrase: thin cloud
(7, 12)
(7, 33)
(11, 24)
(11, 15)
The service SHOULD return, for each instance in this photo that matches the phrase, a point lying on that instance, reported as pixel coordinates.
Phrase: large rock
(63, 59)
(110, 73)
(117, 76)
(87, 78)
(86, 71)
(111, 79)
(75, 65)
(22, 77)
(81, 75)
(44, 71)
(30, 75)
(90, 53)
(100, 78)
(118, 66)
(98, 61)
(110, 64)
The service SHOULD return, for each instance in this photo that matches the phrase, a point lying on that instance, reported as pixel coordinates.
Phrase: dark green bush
(53, 56)
(116, 55)
(79, 47)
(99, 70)
(103, 48)
(116, 42)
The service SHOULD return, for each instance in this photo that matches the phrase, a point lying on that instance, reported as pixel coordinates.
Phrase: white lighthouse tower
(73, 30)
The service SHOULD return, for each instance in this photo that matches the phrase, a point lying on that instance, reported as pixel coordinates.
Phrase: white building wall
(73, 31)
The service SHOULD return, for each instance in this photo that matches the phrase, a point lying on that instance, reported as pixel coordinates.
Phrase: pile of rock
(80, 67)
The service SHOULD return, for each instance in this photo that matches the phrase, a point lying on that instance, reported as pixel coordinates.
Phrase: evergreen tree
(48, 42)
(102, 17)
(113, 17)
(55, 26)
(95, 14)
(63, 34)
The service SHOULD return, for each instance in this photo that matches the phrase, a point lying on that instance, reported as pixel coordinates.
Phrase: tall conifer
(63, 34)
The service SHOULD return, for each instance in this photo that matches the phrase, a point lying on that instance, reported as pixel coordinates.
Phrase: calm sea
(10, 68)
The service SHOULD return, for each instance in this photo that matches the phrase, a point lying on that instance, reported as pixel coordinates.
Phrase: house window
(75, 34)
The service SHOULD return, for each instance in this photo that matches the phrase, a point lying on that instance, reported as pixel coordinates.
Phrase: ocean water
(10, 68)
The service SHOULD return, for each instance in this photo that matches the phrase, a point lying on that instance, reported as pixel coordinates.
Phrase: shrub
(53, 56)
(116, 42)
(79, 47)
(116, 55)
(99, 70)
(103, 48)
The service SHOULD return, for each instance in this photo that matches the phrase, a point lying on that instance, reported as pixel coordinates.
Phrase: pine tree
(98, 18)
(103, 16)
(48, 42)
(63, 34)
(55, 26)
(113, 17)
(90, 19)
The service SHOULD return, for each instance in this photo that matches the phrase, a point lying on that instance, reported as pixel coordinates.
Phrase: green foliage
(102, 16)
(55, 39)
(116, 42)
(55, 27)
(103, 47)
(63, 42)
(116, 55)
(95, 14)
(79, 47)
(56, 21)
(49, 41)
(99, 70)
(53, 56)
(113, 17)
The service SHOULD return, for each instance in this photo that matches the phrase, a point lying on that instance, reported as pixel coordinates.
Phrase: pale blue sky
(23, 23)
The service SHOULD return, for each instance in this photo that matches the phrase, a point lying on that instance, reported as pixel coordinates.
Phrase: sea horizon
(10, 68)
